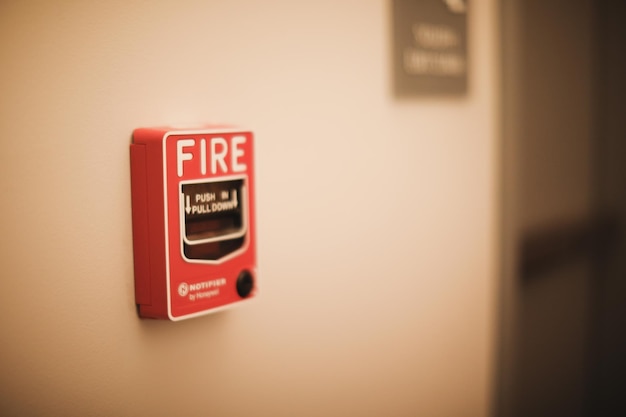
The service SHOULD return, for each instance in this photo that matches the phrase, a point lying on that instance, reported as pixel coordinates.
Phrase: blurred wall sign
(430, 47)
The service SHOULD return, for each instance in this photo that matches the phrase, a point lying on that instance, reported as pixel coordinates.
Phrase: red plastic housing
(193, 220)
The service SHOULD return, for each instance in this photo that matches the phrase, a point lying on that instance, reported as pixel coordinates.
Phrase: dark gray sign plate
(430, 47)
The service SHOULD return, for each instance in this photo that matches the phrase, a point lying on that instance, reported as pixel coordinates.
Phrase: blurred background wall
(377, 217)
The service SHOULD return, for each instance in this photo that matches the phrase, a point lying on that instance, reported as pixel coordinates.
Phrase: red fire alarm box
(193, 220)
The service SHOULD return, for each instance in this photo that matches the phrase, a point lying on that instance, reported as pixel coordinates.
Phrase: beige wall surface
(376, 216)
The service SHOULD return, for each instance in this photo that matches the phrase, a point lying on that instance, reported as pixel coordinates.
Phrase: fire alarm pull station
(193, 220)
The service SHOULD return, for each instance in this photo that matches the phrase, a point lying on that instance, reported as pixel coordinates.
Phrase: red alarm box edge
(193, 212)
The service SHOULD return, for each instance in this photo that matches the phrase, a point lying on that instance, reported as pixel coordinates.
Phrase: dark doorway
(563, 312)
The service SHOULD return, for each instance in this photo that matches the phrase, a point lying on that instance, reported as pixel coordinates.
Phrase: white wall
(376, 217)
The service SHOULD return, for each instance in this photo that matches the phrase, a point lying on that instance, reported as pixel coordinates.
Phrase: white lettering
(435, 36)
(207, 284)
(433, 63)
(183, 156)
(223, 156)
(208, 294)
(223, 206)
(205, 197)
(203, 156)
(236, 153)
(218, 157)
